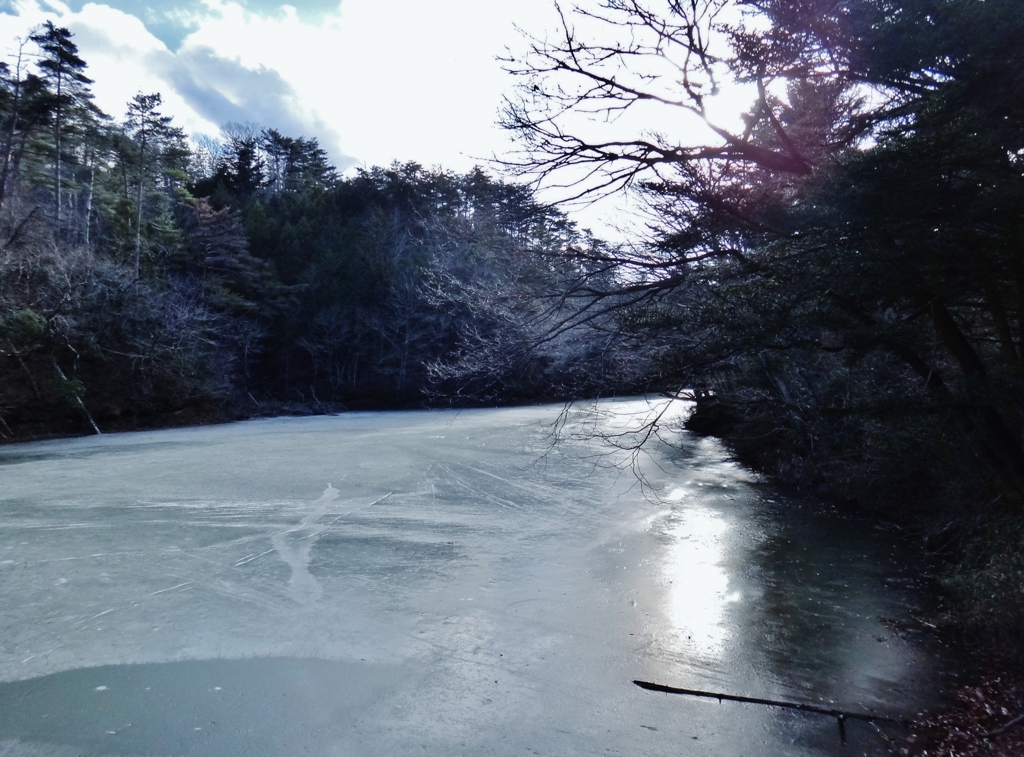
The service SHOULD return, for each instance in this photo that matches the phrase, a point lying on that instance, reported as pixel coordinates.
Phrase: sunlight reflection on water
(699, 591)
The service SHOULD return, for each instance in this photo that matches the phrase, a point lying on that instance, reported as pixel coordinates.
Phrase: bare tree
(587, 96)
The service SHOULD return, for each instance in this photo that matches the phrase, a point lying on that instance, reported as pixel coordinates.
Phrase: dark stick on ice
(841, 716)
(1003, 729)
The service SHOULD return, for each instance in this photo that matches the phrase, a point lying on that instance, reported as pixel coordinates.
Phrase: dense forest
(838, 282)
(149, 278)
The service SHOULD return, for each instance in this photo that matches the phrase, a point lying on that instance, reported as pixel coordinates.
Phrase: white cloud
(396, 80)
(209, 80)
(122, 56)
(374, 81)
(380, 81)
(428, 88)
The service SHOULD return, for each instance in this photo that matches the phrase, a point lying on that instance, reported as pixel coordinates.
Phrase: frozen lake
(436, 583)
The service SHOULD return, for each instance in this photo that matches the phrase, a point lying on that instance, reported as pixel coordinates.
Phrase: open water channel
(435, 583)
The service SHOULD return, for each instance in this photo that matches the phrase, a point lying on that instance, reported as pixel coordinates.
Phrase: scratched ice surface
(435, 583)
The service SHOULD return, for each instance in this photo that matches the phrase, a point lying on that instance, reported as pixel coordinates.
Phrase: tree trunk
(12, 130)
(1001, 321)
(88, 200)
(25, 369)
(78, 401)
(56, 158)
(138, 205)
(997, 433)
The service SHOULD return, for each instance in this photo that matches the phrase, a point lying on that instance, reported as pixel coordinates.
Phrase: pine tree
(63, 71)
(160, 155)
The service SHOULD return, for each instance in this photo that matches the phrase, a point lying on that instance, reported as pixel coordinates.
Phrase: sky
(373, 80)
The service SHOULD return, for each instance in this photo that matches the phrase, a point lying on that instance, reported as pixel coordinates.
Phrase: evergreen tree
(64, 72)
(157, 153)
(24, 108)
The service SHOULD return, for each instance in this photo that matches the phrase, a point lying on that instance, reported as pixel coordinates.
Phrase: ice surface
(435, 583)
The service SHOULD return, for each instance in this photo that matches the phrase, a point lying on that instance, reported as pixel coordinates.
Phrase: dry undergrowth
(985, 718)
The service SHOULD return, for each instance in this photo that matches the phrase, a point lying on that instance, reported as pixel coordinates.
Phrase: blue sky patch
(171, 21)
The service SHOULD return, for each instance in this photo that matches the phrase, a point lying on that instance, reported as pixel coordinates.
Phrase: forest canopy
(834, 274)
(148, 277)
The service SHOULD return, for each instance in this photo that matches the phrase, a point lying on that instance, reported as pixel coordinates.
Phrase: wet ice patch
(170, 708)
